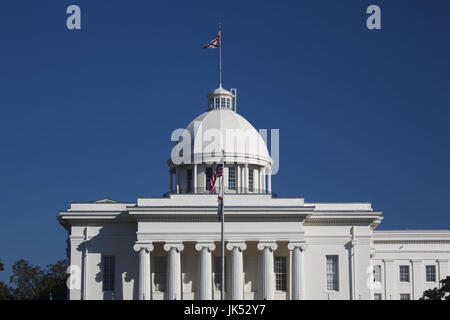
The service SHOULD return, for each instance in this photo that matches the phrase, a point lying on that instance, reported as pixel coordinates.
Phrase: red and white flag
(215, 43)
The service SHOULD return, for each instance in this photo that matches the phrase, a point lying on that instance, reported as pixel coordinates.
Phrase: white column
(443, 270)
(354, 269)
(256, 180)
(177, 180)
(417, 278)
(205, 270)
(76, 265)
(144, 287)
(246, 178)
(267, 272)
(297, 272)
(391, 279)
(174, 270)
(269, 181)
(194, 178)
(264, 180)
(238, 178)
(237, 269)
(171, 180)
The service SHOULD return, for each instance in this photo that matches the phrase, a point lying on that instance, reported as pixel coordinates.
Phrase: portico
(238, 281)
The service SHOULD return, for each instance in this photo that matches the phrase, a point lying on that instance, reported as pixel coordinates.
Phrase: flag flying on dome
(212, 184)
(215, 43)
(217, 174)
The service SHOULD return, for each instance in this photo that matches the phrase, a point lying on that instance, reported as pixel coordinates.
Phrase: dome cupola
(222, 99)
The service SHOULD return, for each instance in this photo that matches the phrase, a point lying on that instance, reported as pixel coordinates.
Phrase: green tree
(26, 278)
(53, 283)
(5, 291)
(438, 293)
(35, 283)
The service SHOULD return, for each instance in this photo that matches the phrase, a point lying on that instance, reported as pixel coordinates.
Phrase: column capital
(271, 245)
(301, 245)
(199, 246)
(241, 245)
(148, 247)
(179, 246)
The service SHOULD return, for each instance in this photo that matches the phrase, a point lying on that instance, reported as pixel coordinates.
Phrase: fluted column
(174, 270)
(269, 181)
(194, 179)
(297, 248)
(246, 178)
(267, 272)
(177, 179)
(237, 270)
(238, 179)
(205, 270)
(144, 287)
(264, 180)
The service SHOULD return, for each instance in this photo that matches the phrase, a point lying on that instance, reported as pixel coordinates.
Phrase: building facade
(276, 248)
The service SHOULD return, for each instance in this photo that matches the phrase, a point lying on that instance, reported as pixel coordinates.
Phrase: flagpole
(220, 55)
(222, 291)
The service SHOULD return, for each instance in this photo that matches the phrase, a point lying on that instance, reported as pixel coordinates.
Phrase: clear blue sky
(363, 115)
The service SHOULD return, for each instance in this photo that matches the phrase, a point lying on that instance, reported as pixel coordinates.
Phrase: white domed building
(276, 248)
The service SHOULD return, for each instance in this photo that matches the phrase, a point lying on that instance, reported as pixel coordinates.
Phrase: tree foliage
(5, 291)
(438, 293)
(32, 282)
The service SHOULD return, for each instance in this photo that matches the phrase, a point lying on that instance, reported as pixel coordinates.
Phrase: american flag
(215, 177)
(215, 43)
(220, 207)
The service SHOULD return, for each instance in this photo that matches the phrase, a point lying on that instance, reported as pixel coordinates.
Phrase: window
(250, 180)
(222, 102)
(430, 272)
(160, 273)
(377, 273)
(280, 273)
(377, 296)
(217, 103)
(218, 273)
(108, 273)
(208, 174)
(405, 296)
(404, 273)
(332, 273)
(189, 180)
(228, 103)
(232, 178)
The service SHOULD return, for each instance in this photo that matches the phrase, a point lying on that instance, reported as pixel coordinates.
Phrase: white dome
(224, 129)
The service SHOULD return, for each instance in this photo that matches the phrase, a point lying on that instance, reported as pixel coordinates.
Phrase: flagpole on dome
(220, 54)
